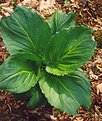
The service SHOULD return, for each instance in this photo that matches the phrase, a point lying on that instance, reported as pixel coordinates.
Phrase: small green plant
(46, 58)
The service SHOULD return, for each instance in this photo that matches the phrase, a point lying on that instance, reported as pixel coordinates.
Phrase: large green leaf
(69, 49)
(25, 31)
(37, 98)
(17, 75)
(66, 93)
(60, 21)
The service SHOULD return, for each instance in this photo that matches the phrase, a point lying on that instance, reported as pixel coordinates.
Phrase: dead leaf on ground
(99, 88)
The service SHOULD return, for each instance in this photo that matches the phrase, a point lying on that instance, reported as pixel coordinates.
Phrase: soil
(88, 12)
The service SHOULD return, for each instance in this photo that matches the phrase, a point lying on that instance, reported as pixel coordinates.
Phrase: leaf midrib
(72, 49)
(68, 92)
(63, 22)
(12, 75)
(24, 32)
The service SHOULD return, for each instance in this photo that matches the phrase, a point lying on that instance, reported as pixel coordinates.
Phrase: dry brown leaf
(92, 75)
(4, 4)
(30, 3)
(99, 88)
(8, 9)
(46, 4)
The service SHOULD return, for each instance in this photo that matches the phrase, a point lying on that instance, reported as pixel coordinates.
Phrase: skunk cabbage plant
(45, 59)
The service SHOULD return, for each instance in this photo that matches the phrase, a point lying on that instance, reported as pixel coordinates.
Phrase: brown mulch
(3, 52)
(88, 12)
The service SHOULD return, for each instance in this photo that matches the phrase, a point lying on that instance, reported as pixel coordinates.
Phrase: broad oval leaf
(17, 76)
(60, 21)
(25, 31)
(69, 49)
(66, 93)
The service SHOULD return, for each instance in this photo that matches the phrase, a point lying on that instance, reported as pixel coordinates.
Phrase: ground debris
(88, 12)
(3, 53)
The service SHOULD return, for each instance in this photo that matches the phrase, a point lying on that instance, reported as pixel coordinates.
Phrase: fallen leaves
(47, 7)
(88, 12)
(6, 9)
(99, 88)
(3, 53)
(30, 3)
